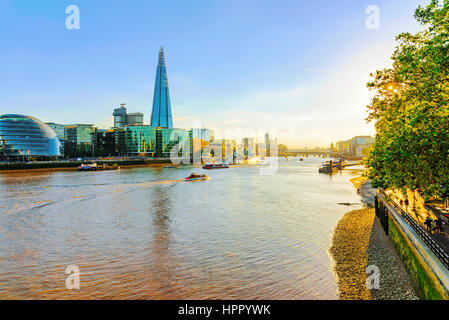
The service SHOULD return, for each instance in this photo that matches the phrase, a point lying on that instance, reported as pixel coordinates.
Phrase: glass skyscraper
(161, 115)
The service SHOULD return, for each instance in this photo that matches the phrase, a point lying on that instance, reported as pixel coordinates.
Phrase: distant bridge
(314, 153)
(324, 154)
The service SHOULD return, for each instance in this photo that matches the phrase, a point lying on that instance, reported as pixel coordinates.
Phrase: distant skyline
(299, 67)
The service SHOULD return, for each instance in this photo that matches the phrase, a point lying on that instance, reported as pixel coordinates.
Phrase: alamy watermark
(72, 282)
(372, 22)
(73, 20)
(373, 278)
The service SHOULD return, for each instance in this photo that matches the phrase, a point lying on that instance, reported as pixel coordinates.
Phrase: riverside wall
(75, 164)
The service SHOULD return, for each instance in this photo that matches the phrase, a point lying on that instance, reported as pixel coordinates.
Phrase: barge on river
(216, 166)
(96, 167)
(329, 167)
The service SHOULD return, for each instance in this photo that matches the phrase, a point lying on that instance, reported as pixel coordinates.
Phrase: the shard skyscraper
(161, 115)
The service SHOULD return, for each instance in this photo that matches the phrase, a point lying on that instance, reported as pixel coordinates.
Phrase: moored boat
(328, 167)
(216, 166)
(95, 167)
(88, 167)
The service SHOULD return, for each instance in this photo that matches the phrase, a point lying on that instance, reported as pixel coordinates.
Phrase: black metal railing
(436, 249)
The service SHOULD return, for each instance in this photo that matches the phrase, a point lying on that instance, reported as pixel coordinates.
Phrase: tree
(410, 109)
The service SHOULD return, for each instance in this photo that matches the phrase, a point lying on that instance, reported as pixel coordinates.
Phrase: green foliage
(410, 109)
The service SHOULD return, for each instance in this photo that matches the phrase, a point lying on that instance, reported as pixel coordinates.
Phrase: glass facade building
(27, 137)
(166, 139)
(119, 116)
(78, 140)
(122, 118)
(59, 129)
(133, 119)
(136, 141)
(161, 115)
(79, 133)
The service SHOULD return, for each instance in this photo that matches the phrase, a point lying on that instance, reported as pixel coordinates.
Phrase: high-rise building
(267, 144)
(161, 115)
(134, 119)
(120, 116)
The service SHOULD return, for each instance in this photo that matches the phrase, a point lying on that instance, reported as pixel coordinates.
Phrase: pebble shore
(359, 241)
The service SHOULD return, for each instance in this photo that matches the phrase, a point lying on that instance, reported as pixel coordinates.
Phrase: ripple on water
(142, 234)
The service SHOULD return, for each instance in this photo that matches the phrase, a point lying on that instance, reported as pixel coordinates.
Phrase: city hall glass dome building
(25, 137)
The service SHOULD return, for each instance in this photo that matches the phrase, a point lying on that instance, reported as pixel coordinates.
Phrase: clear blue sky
(296, 66)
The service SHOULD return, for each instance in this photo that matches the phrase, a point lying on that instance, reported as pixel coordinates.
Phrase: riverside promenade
(441, 238)
(426, 260)
(418, 210)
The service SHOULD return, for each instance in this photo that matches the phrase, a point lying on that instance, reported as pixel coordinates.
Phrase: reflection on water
(143, 233)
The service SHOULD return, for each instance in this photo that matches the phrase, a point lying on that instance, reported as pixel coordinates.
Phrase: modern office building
(147, 141)
(358, 146)
(103, 142)
(161, 115)
(78, 139)
(166, 139)
(119, 116)
(344, 147)
(136, 141)
(267, 144)
(122, 118)
(134, 119)
(24, 138)
(59, 130)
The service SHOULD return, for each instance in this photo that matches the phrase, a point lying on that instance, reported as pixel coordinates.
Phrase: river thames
(142, 233)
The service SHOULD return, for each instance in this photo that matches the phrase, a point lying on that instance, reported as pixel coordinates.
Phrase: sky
(296, 68)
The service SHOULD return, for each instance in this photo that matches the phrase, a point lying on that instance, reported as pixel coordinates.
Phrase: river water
(141, 233)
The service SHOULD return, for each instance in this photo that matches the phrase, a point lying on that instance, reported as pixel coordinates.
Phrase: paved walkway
(433, 212)
(443, 238)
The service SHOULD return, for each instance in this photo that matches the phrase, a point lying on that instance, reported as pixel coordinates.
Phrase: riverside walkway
(438, 243)
(443, 238)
